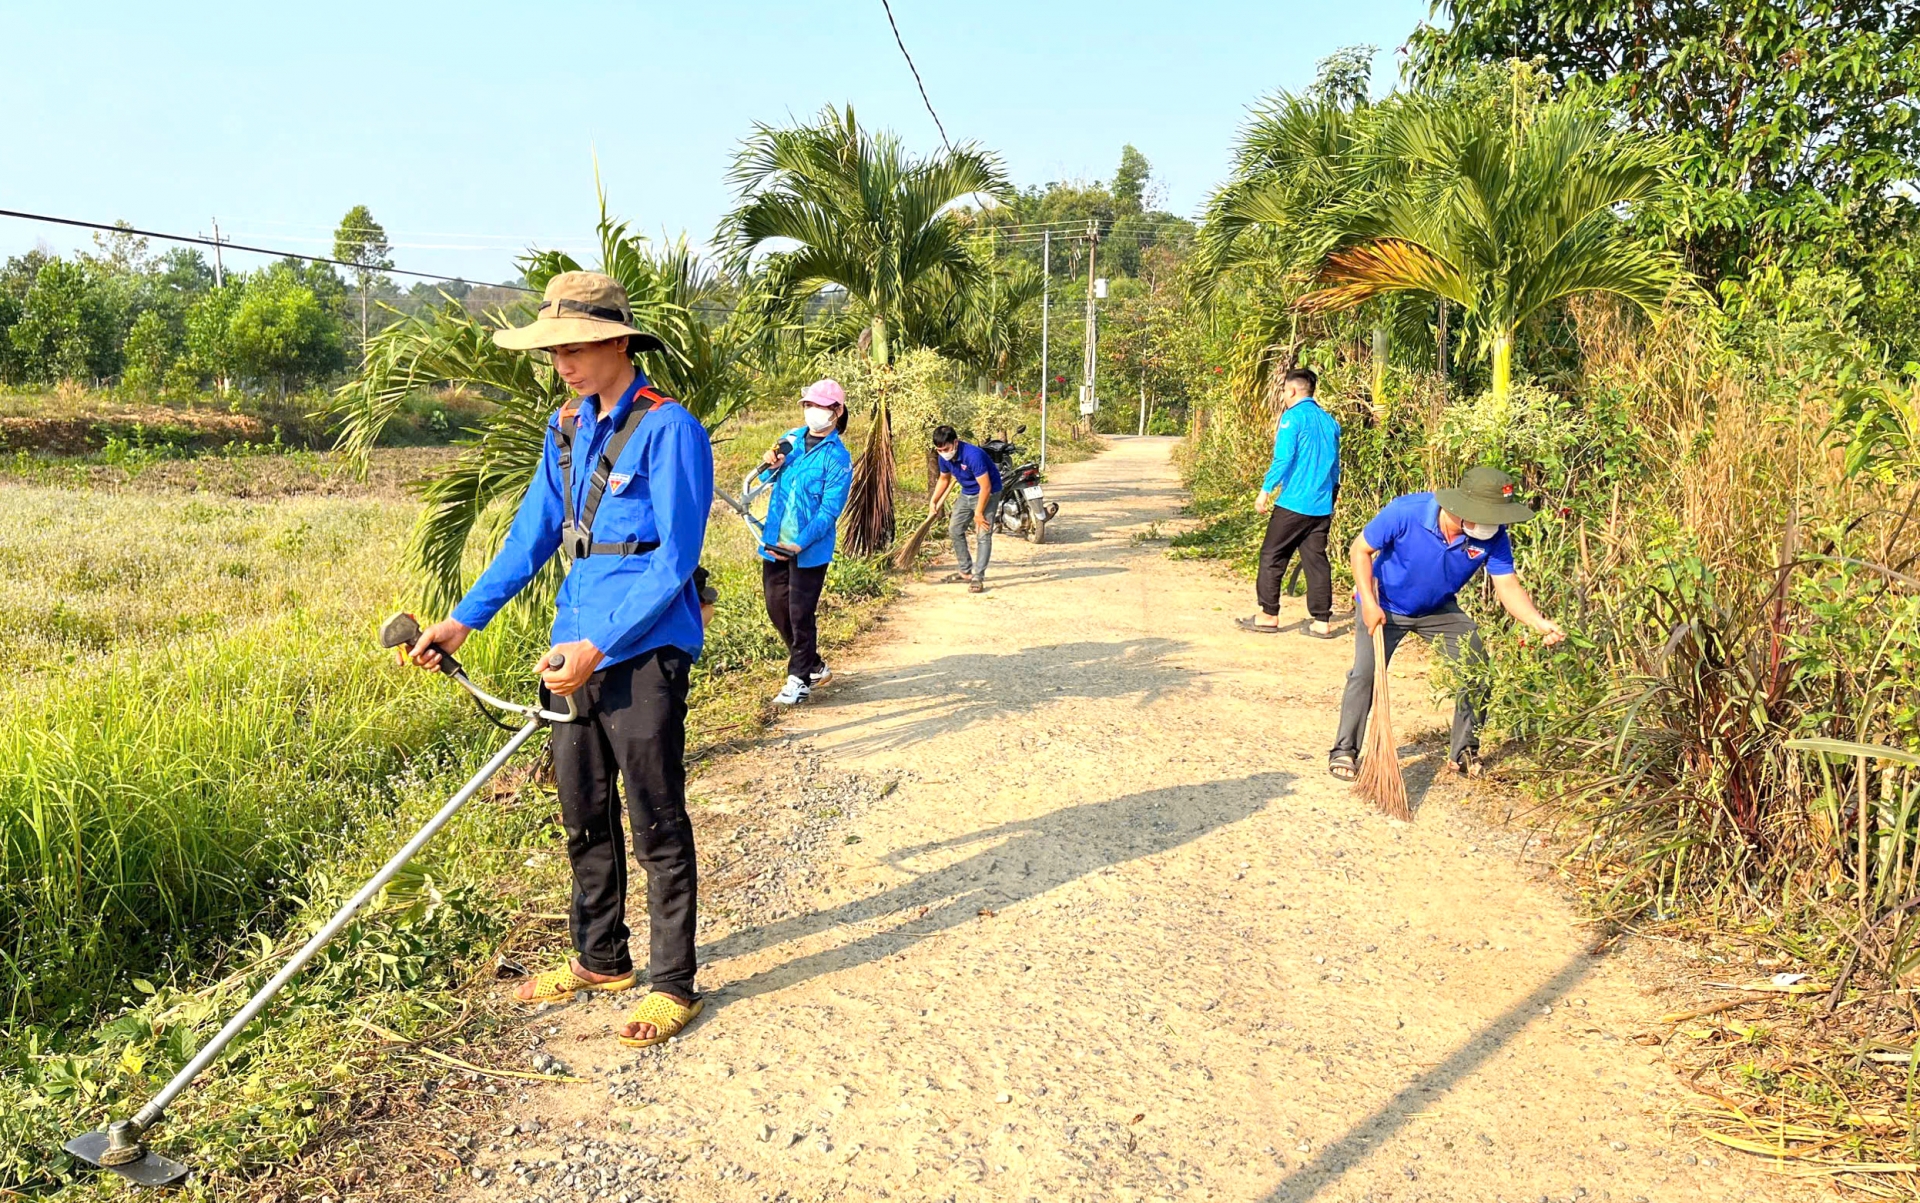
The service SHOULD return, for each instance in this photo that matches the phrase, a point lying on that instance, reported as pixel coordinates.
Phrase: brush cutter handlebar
(403, 630)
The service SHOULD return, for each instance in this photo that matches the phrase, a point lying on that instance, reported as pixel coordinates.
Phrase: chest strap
(576, 534)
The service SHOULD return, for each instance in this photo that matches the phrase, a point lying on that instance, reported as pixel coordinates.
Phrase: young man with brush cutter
(1409, 563)
(623, 488)
(1297, 496)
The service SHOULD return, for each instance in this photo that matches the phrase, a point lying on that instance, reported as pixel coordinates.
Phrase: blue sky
(471, 130)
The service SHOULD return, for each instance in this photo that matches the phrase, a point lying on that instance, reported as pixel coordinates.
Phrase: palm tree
(838, 207)
(672, 293)
(1502, 218)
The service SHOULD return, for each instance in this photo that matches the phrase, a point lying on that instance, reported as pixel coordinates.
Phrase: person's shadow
(1010, 862)
(962, 689)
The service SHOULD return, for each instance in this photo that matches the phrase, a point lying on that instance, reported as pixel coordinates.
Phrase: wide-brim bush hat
(579, 307)
(1485, 495)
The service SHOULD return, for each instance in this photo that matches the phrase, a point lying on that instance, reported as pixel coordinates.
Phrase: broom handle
(1382, 704)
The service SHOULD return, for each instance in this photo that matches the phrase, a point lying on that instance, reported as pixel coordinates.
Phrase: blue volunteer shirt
(1306, 460)
(967, 466)
(804, 509)
(1417, 569)
(659, 491)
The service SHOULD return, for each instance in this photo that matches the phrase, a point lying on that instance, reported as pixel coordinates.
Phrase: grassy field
(205, 752)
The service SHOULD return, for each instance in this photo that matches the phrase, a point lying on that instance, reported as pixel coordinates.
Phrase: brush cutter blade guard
(146, 1169)
(402, 630)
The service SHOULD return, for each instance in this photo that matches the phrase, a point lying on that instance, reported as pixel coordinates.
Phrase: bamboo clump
(1379, 779)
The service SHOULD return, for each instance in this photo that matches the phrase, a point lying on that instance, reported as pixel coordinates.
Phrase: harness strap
(576, 534)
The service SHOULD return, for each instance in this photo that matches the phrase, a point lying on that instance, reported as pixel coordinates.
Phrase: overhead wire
(924, 99)
(224, 244)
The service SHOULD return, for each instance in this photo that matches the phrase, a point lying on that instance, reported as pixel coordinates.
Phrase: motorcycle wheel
(1037, 533)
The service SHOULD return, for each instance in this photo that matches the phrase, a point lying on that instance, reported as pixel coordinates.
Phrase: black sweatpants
(1288, 532)
(793, 603)
(633, 728)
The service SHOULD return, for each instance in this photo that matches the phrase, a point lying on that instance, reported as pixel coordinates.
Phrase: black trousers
(1288, 532)
(793, 603)
(633, 728)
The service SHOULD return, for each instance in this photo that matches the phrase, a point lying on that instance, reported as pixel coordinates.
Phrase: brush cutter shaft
(150, 1114)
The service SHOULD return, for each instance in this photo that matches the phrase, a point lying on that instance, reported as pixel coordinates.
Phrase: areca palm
(672, 293)
(834, 206)
(1502, 218)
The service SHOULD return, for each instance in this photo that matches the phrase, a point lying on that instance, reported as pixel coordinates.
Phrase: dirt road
(1066, 907)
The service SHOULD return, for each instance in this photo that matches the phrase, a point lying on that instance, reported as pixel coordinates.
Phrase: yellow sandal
(560, 985)
(668, 1016)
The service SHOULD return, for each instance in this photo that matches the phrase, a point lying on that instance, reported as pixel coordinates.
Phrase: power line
(229, 244)
(916, 76)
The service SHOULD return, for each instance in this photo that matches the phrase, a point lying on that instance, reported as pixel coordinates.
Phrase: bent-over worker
(1408, 565)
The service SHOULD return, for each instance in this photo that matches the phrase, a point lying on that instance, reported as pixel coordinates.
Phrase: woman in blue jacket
(796, 544)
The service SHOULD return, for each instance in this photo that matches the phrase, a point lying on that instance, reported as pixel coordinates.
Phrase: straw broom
(1379, 778)
(904, 557)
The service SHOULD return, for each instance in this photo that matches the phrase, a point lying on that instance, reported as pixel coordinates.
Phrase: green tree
(66, 328)
(153, 345)
(866, 217)
(362, 241)
(1130, 182)
(210, 343)
(1790, 119)
(1501, 218)
(280, 332)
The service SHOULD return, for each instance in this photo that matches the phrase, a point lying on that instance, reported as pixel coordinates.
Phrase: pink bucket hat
(824, 393)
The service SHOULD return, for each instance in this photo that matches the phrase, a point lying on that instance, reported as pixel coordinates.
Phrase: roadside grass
(205, 753)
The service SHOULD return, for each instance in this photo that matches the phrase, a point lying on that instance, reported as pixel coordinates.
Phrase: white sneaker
(792, 693)
(820, 676)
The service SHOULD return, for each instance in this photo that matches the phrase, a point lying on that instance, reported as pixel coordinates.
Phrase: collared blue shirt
(1417, 569)
(968, 465)
(804, 509)
(1306, 459)
(660, 490)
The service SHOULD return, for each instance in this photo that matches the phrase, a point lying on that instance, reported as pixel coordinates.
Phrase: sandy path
(1113, 934)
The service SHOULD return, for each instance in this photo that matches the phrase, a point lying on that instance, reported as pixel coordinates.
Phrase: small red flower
(1217, 371)
(1565, 510)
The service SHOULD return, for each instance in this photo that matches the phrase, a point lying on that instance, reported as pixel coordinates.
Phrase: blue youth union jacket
(1306, 460)
(804, 509)
(659, 491)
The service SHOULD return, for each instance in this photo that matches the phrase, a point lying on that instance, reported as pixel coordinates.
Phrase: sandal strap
(666, 1015)
(552, 983)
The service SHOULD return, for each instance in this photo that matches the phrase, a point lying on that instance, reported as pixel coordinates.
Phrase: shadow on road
(1334, 1160)
(1011, 862)
(917, 702)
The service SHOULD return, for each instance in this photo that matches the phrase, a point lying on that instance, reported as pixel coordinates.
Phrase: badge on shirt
(1474, 553)
(618, 480)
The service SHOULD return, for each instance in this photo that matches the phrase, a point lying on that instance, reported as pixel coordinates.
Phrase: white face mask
(819, 421)
(945, 454)
(1480, 530)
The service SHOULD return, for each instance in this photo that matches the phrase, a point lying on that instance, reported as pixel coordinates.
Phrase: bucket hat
(1485, 495)
(579, 307)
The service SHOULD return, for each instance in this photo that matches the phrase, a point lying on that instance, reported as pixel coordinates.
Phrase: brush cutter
(756, 489)
(121, 1147)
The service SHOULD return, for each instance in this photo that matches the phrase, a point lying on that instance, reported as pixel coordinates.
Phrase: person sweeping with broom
(1409, 563)
(796, 544)
(623, 488)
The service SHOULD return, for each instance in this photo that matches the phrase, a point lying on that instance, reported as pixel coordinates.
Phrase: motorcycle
(1024, 509)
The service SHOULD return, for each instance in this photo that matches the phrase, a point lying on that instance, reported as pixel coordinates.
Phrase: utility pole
(219, 269)
(1143, 403)
(1089, 399)
(1046, 297)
